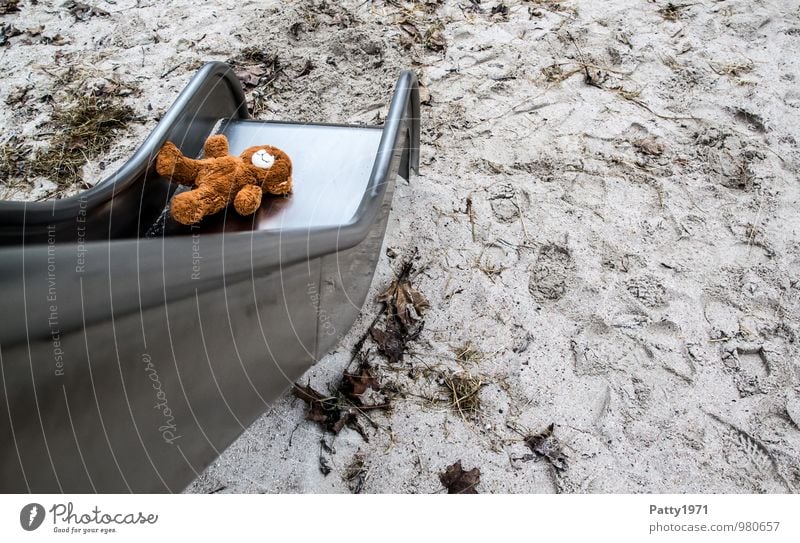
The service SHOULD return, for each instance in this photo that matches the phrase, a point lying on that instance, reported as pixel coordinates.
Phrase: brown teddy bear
(219, 178)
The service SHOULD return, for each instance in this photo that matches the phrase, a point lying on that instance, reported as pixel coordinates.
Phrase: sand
(627, 269)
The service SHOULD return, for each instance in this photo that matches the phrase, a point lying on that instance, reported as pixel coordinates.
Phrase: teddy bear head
(267, 167)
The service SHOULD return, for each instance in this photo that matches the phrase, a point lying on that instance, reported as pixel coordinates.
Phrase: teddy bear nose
(262, 159)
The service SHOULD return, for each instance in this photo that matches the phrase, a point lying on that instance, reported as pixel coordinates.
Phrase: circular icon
(31, 516)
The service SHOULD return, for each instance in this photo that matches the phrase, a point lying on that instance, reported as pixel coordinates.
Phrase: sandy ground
(606, 226)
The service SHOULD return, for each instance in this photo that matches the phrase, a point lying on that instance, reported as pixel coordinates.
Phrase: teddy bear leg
(216, 146)
(171, 163)
(190, 207)
(185, 208)
(247, 200)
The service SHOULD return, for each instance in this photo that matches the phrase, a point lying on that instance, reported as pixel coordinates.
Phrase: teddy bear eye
(262, 159)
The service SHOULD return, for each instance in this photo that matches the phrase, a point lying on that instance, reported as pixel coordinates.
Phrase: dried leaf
(411, 29)
(54, 39)
(407, 302)
(424, 95)
(356, 473)
(430, 6)
(547, 446)
(405, 306)
(458, 481)
(8, 31)
(9, 6)
(672, 12)
(355, 384)
(391, 342)
(250, 76)
(34, 31)
(84, 12)
(649, 146)
(500, 12)
(321, 408)
(18, 95)
(324, 465)
(362, 387)
(434, 38)
(256, 67)
(326, 411)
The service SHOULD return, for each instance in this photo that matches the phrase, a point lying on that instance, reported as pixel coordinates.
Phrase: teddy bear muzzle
(262, 159)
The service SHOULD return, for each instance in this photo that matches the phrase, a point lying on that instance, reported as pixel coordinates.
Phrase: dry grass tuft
(555, 73)
(356, 473)
(672, 12)
(86, 130)
(434, 38)
(463, 391)
(468, 353)
(13, 161)
(732, 69)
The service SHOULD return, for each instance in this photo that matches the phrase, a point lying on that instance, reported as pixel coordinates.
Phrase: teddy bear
(219, 178)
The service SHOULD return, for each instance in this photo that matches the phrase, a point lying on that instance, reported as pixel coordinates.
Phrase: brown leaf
(76, 143)
(250, 76)
(84, 12)
(321, 408)
(649, 146)
(8, 31)
(407, 302)
(458, 481)
(424, 95)
(434, 38)
(356, 473)
(362, 387)
(355, 384)
(546, 445)
(34, 31)
(324, 465)
(500, 12)
(18, 95)
(411, 35)
(54, 39)
(9, 6)
(411, 29)
(404, 306)
(326, 411)
(431, 6)
(391, 342)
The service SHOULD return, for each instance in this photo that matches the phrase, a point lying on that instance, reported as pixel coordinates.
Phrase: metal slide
(134, 350)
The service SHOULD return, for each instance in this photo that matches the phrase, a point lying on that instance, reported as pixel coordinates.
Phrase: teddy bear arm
(171, 163)
(247, 200)
(216, 146)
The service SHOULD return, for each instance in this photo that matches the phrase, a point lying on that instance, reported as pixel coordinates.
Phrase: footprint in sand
(552, 273)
